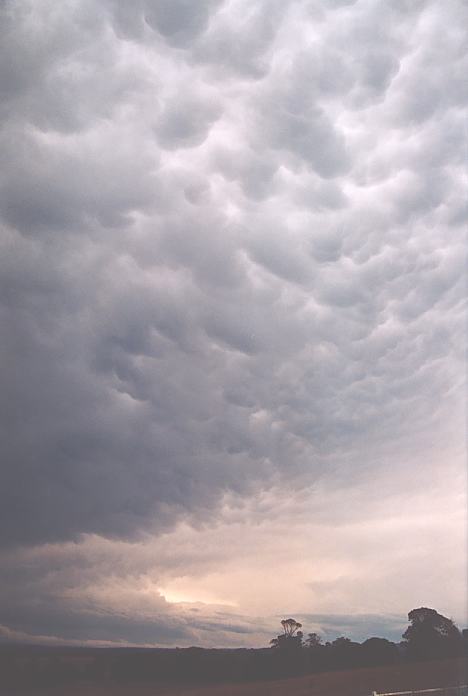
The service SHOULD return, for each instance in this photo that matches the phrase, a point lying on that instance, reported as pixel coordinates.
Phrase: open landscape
(293, 664)
(357, 682)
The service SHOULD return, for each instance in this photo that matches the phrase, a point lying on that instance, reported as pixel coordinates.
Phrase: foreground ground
(358, 682)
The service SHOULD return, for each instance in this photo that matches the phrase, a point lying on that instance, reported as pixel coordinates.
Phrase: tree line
(429, 636)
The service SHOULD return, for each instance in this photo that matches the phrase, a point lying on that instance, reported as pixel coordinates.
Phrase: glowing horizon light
(183, 597)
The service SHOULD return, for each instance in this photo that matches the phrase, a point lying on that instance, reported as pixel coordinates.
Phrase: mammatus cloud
(232, 268)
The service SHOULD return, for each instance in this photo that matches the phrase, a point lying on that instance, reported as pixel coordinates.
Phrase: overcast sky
(232, 304)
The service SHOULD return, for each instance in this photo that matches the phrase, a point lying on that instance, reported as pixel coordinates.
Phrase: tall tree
(431, 635)
(291, 638)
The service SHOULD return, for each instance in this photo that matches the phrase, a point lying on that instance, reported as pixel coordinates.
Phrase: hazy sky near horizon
(232, 308)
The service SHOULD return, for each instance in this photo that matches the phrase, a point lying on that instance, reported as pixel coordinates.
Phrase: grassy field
(357, 682)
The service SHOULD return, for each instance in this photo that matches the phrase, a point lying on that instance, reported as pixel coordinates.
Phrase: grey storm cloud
(231, 255)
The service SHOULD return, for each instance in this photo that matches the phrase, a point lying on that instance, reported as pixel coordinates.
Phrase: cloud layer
(232, 267)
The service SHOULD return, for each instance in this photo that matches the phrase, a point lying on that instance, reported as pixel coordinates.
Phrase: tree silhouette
(313, 640)
(291, 638)
(344, 652)
(378, 651)
(431, 635)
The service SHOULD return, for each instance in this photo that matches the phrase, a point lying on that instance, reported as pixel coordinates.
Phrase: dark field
(356, 682)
